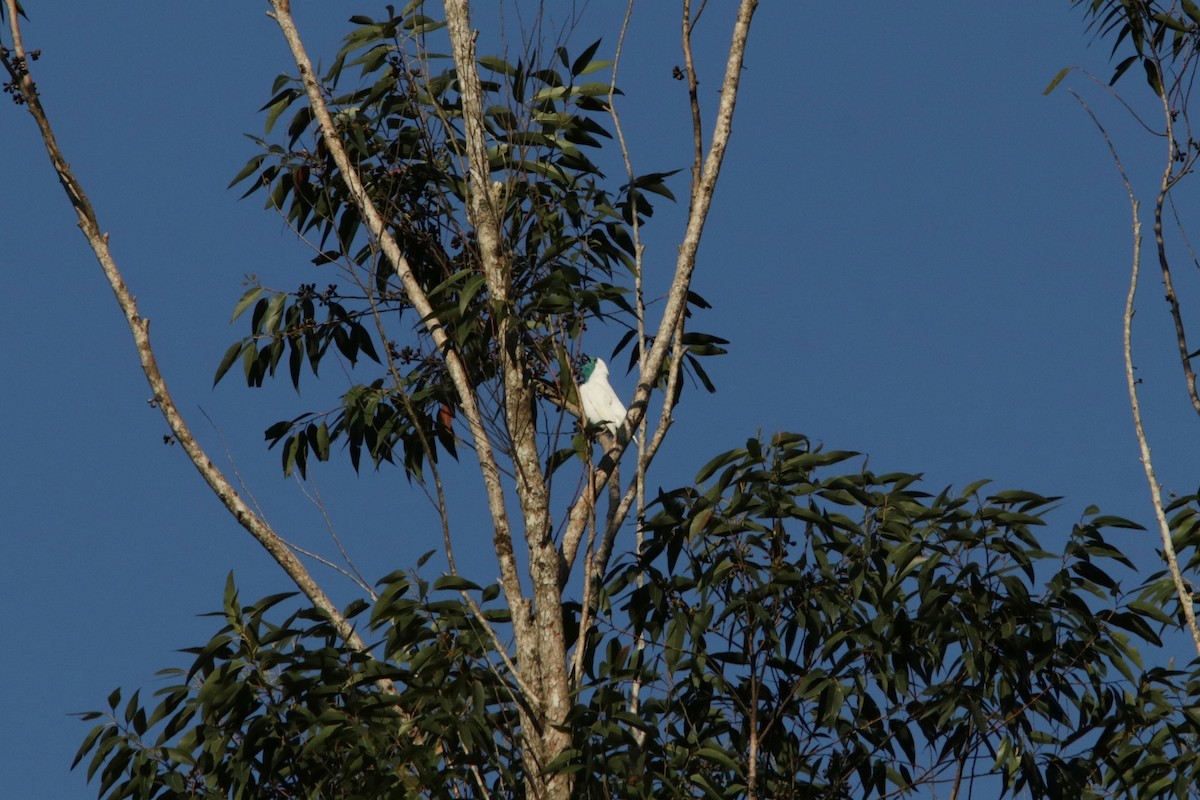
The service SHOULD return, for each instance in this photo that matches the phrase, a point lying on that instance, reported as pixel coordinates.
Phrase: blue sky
(914, 253)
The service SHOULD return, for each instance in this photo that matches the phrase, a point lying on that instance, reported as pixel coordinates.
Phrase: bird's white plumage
(601, 406)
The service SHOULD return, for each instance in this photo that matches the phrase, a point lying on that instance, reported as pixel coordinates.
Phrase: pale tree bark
(17, 65)
(538, 629)
(1170, 63)
(541, 668)
(1182, 591)
(541, 645)
(1175, 168)
(542, 659)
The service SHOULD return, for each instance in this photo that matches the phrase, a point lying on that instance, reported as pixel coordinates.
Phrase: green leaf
(277, 105)
(1173, 23)
(496, 64)
(320, 442)
(1111, 521)
(89, 742)
(1134, 624)
(1094, 574)
(252, 166)
(720, 757)
(595, 66)
(272, 315)
(1153, 76)
(1062, 73)
(295, 455)
(1122, 67)
(251, 294)
(362, 341)
(455, 583)
(231, 355)
(1152, 611)
(1192, 10)
(712, 466)
(581, 63)
(700, 374)
(469, 290)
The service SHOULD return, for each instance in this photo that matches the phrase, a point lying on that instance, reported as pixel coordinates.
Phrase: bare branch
(597, 562)
(1164, 528)
(1171, 175)
(350, 570)
(519, 398)
(139, 326)
(671, 324)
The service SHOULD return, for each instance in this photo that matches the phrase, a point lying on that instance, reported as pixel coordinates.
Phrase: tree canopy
(788, 624)
(790, 629)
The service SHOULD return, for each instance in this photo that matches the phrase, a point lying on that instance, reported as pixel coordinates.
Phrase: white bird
(601, 406)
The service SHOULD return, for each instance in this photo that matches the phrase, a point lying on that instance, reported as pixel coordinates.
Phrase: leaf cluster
(1145, 25)
(568, 248)
(285, 709)
(806, 634)
(791, 629)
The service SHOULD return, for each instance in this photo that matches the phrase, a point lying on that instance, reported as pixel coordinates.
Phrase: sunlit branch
(483, 200)
(538, 627)
(1181, 590)
(510, 577)
(139, 326)
(673, 312)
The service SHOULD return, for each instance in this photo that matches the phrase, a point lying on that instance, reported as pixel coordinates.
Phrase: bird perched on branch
(601, 406)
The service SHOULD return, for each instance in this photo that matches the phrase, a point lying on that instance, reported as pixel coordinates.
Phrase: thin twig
(351, 571)
(598, 562)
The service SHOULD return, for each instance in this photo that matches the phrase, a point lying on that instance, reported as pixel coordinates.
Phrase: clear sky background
(914, 253)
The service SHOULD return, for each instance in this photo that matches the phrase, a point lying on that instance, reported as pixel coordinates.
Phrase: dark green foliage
(285, 710)
(826, 635)
(567, 239)
(811, 631)
(791, 628)
(1144, 26)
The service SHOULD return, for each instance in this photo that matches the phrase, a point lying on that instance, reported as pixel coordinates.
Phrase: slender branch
(350, 570)
(693, 87)
(139, 326)
(1169, 178)
(958, 777)
(635, 490)
(619, 510)
(587, 617)
(502, 537)
(685, 265)
(1164, 527)
(752, 724)
(518, 390)
(597, 563)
